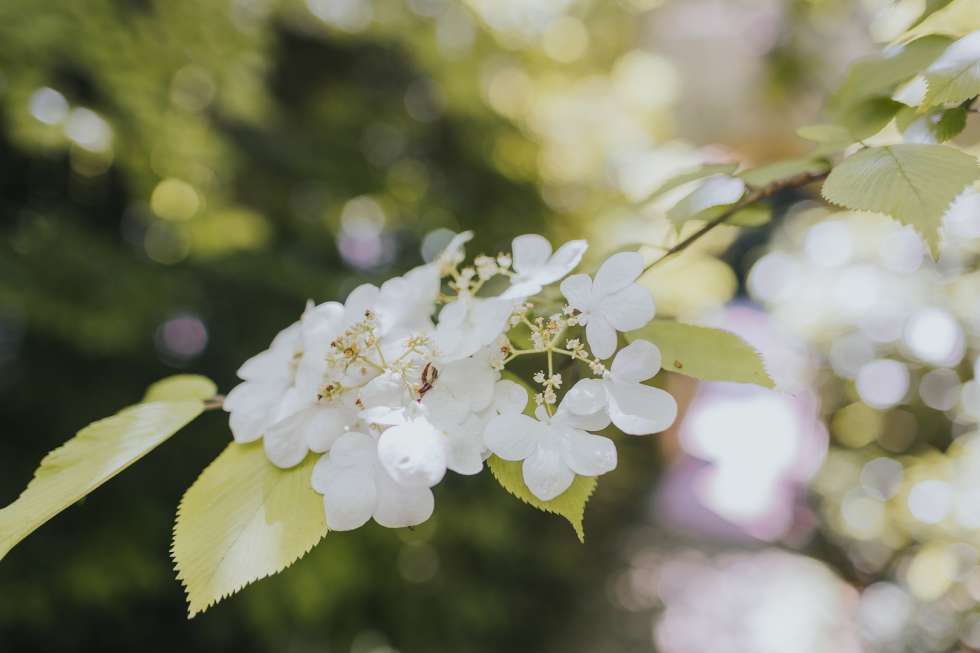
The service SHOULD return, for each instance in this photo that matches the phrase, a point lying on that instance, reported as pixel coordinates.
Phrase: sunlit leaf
(97, 453)
(705, 353)
(956, 19)
(709, 200)
(693, 175)
(912, 183)
(878, 75)
(181, 387)
(955, 76)
(767, 174)
(755, 215)
(570, 504)
(243, 519)
(932, 127)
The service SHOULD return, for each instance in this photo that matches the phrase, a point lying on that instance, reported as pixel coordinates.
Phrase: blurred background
(177, 178)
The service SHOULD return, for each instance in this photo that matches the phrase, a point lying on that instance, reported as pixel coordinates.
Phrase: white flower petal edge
(554, 448)
(612, 302)
(356, 487)
(535, 266)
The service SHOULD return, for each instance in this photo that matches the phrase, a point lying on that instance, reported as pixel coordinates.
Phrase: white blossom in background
(612, 302)
(402, 383)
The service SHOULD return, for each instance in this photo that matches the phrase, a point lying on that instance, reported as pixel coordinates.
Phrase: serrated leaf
(915, 184)
(956, 19)
(705, 353)
(181, 387)
(933, 127)
(868, 117)
(767, 174)
(708, 200)
(570, 504)
(755, 215)
(877, 76)
(955, 76)
(243, 519)
(693, 175)
(97, 453)
(826, 134)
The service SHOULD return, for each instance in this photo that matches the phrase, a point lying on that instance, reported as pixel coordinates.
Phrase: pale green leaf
(826, 133)
(956, 19)
(936, 126)
(767, 174)
(243, 519)
(868, 117)
(570, 504)
(912, 183)
(709, 200)
(705, 353)
(955, 76)
(879, 75)
(97, 453)
(755, 215)
(181, 387)
(693, 175)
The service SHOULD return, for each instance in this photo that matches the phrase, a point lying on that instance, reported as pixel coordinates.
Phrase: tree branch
(754, 196)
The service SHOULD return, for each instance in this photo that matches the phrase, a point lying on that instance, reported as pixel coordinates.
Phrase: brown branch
(754, 196)
(214, 403)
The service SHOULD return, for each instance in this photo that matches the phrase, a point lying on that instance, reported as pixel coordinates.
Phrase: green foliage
(181, 387)
(912, 183)
(868, 117)
(570, 504)
(100, 451)
(953, 82)
(687, 177)
(243, 519)
(956, 19)
(705, 353)
(942, 125)
(755, 215)
(767, 174)
(879, 75)
(712, 198)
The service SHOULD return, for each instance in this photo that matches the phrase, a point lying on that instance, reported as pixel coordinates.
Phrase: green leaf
(243, 519)
(709, 200)
(693, 175)
(570, 504)
(705, 353)
(936, 126)
(868, 117)
(955, 76)
(956, 19)
(913, 183)
(755, 215)
(767, 174)
(181, 387)
(877, 76)
(97, 453)
(826, 133)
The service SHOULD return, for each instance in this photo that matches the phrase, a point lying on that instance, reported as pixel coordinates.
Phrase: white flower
(612, 302)
(414, 453)
(554, 449)
(469, 324)
(356, 487)
(535, 266)
(279, 388)
(634, 408)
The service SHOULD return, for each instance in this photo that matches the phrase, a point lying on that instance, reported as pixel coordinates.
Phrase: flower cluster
(391, 398)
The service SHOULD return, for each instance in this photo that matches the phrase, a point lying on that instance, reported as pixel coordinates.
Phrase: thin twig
(215, 402)
(756, 195)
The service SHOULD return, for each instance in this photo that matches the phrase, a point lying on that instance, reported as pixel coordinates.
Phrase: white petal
(512, 436)
(353, 449)
(587, 454)
(284, 441)
(465, 453)
(546, 474)
(248, 425)
(253, 395)
(585, 397)
(509, 397)
(386, 390)
(564, 261)
(636, 362)
(530, 252)
(592, 422)
(350, 496)
(414, 454)
(717, 190)
(274, 361)
(400, 506)
(640, 409)
(577, 290)
(619, 271)
(360, 300)
(601, 337)
(326, 425)
(630, 308)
